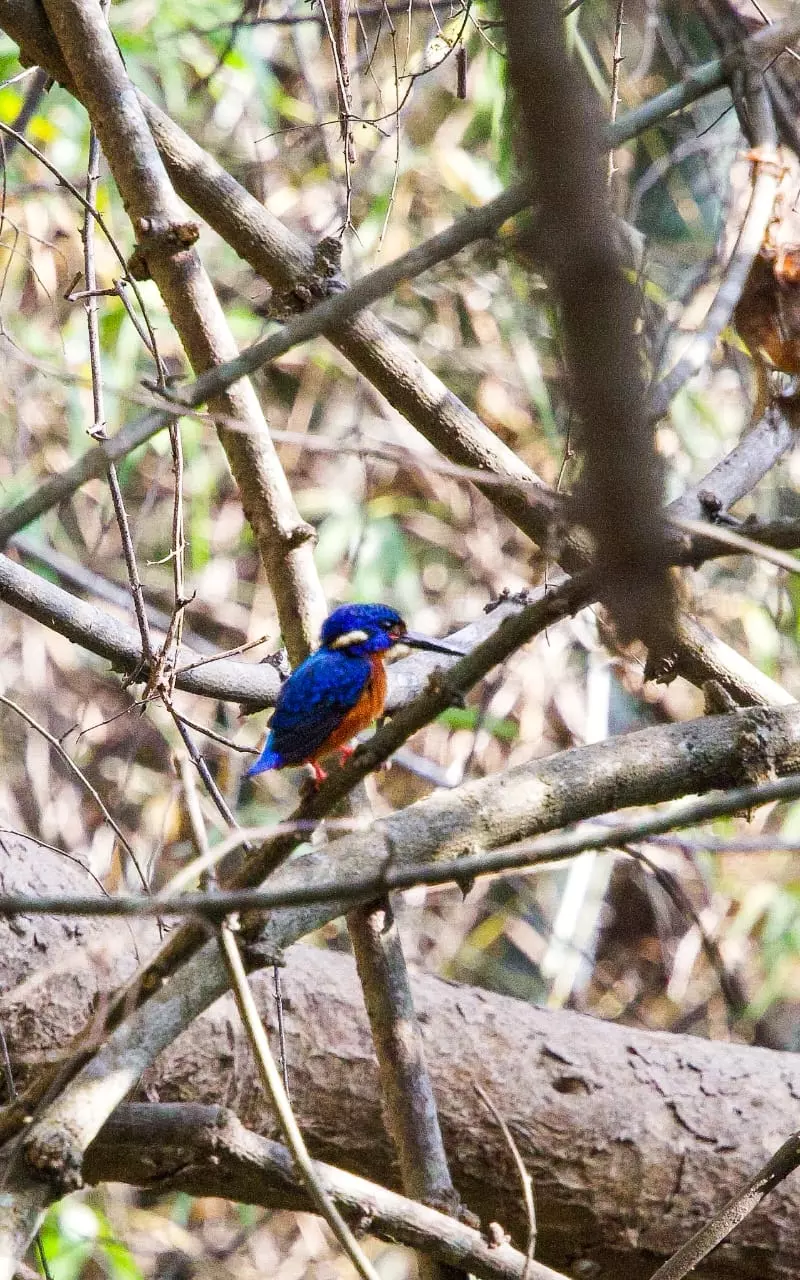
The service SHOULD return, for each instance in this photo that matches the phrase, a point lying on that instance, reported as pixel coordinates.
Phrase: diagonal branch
(163, 251)
(621, 487)
(785, 1160)
(205, 1151)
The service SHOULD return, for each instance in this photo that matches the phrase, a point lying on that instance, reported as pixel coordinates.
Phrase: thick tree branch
(255, 685)
(363, 885)
(206, 1151)
(645, 767)
(738, 473)
(633, 1138)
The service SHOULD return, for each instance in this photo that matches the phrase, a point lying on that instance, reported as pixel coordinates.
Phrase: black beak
(415, 641)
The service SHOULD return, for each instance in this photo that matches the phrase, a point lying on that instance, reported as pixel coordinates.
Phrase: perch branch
(205, 1150)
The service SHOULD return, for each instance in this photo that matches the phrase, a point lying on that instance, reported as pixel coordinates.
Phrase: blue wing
(311, 705)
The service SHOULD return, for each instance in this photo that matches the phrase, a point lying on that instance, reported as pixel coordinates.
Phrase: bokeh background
(717, 955)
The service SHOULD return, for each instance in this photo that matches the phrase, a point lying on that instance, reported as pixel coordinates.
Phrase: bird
(767, 317)
(339, 689)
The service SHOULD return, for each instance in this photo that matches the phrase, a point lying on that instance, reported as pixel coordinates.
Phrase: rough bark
(206, 1151)
(633, 1138)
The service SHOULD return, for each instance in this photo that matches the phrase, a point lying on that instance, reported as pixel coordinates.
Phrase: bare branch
(524, 1176)
(739, 471)
(411, 1113)
(785, 1160)
(206, 1150)
(82, 779)
(164, 239)
(253, 684)
(361, 883)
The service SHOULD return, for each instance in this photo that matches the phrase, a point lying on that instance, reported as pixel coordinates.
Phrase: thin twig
(271, 1080)
(226, 653)
(616, 64)
(202, 768)
(394, 876)
(785, 1160)
(84, 781)
(98, 218)
(524, 1176)
(738, 542)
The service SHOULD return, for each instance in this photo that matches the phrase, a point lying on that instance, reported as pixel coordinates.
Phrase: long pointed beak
(415, 641)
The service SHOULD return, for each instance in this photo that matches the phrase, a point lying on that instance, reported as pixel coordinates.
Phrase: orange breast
(367, 709)
(767, 315)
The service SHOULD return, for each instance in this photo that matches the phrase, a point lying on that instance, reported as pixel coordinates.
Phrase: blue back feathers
(311, 704)
(321, 690)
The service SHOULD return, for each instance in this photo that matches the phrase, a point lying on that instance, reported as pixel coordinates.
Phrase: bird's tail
(269, 759)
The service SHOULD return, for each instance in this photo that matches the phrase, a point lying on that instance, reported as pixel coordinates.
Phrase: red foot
(344, 755)
(319, 773)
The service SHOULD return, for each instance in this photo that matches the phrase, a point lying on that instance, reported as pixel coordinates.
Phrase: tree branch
(206, 1151)
(255, 685)
(163, 235)
(621, 487)
(632, 1138)
(360, 884)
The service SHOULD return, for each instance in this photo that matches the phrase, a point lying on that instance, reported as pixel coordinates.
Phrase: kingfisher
(340, 689)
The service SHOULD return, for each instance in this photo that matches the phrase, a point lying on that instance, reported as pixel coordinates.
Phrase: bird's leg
(319, 773)
(345, 753)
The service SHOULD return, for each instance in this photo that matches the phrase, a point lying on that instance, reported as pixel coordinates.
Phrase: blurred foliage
(256, 88)
(76, 1236)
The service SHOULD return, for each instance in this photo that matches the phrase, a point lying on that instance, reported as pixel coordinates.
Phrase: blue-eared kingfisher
(340, 689)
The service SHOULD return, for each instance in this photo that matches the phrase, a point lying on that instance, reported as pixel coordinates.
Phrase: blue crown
(373, 627)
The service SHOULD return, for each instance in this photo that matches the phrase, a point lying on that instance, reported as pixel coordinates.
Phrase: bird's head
(360, 629)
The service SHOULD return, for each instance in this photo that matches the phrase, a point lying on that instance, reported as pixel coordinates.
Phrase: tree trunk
(632, 1138)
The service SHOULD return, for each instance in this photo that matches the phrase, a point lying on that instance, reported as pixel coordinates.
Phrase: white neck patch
(349, 637)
